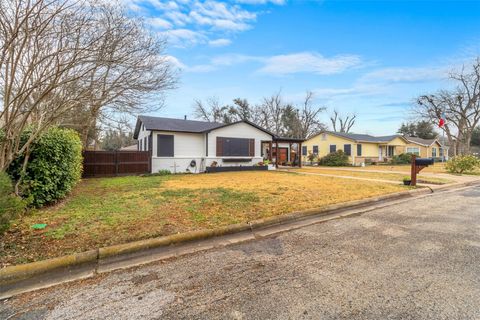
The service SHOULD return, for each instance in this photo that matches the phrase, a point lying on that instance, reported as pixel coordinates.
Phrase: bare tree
(129, 67)
(309, 117)
(211, 111)
(43, 56)
(461, 107)
(270, 113)
(342, 123)
(70, 57)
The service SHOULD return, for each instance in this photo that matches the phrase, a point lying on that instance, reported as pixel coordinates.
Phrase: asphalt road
(416, 260)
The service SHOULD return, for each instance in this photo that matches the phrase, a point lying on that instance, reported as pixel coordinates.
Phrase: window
(315, 149)
(235, 147)
(145, 144)
(391, 151)
(164, 145)
(434, 152)
(347, 148)
(441, 152)
(304, 150)
(140, 141)
(359, 150)
(413, 150)
(333, 148)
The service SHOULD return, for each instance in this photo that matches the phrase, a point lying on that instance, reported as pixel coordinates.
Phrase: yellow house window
(434, 152)
(413, 150)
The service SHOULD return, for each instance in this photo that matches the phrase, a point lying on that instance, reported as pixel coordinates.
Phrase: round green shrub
(11, 206)
(334, 159)
(461, 164)
(403, 158)
(54, 166)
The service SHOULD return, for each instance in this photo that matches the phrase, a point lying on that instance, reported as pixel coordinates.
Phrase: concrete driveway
(417, 260)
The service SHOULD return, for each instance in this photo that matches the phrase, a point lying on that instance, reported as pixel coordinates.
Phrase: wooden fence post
(116, 162)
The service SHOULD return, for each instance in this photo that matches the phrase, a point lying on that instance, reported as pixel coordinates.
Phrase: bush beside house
(461, 164)
(54, 167)
(403, 158)
(334, 159)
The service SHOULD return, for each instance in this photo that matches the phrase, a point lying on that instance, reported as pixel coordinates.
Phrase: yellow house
(425, 148)
(360, 148)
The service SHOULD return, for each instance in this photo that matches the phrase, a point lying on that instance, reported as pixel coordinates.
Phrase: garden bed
(236, 168)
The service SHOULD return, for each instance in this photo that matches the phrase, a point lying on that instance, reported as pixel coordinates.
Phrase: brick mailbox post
(417, 166)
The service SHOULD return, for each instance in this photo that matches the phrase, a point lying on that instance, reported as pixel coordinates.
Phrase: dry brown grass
(436, 168)
(109, 211)
(386, 175)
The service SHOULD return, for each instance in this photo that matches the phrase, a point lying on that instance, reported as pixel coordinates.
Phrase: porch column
(270, 151)
(290, 153)
(300, 154)
(276, 154)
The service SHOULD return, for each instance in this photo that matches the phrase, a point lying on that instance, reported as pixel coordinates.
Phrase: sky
(371, 58)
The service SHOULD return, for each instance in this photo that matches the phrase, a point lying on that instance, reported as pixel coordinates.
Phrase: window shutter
(219, 146)
(165, 145)
(251, 149)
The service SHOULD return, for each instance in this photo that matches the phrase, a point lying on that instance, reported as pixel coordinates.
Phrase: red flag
(442, 121)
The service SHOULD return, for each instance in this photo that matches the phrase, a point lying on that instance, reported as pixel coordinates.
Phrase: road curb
(36, 275)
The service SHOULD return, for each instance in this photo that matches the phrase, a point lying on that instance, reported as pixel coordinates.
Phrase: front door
(282, 155)
(380, 155)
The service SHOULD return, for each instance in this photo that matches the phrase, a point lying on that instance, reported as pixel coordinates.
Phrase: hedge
(54, 167)
(334, 159)
(11, 206)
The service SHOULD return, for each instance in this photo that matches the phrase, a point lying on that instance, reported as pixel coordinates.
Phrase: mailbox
(424, 161)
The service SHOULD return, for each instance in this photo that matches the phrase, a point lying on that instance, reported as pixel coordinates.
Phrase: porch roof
(287, 139)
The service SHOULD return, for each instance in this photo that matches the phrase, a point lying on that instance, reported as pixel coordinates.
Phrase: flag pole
(443, 143)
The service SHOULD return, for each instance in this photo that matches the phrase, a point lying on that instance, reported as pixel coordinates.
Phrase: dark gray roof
(364, 137)
(426, 142)
(180, 125)
(169, 124)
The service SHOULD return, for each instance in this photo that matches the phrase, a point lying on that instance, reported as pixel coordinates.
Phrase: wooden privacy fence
(114, 163)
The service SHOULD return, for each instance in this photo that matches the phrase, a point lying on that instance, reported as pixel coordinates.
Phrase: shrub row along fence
(115, 163)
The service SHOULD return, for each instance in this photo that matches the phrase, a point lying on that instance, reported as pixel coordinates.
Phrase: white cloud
(184, 37)
(288, 64)
(201, 68)
(159, 23)
(277, 2)
(219, 42)
(210, 18)
(406, 74)
(231, 59)
(309, 62)
(175, 62)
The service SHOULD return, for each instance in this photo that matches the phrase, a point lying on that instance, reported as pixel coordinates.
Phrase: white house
(181, 145)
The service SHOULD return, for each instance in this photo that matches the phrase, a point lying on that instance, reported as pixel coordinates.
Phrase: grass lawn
(438, 167)
(108, 211)
(353, 172)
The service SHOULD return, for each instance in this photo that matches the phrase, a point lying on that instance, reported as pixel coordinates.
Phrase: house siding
(193, 146)
(239, 130)
(370, 150)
